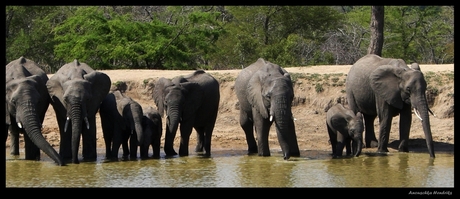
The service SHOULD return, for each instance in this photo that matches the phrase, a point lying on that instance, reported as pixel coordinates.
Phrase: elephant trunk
(423, 112)
(32, 127)
(76, 120)
(173, 119)
(281, 111)
(357, 147)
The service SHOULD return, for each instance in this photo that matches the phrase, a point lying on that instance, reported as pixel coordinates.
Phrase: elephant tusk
(20, 125)
(66, 124)
(87, 123)
(432, 113)
(271, 118)
(416, 113)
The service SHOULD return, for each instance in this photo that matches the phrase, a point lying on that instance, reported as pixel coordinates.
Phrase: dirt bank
(316, 88)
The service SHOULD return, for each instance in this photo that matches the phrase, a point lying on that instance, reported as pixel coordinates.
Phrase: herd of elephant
(375, 86)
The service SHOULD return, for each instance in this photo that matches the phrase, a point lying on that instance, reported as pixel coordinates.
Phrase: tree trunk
(377, 21)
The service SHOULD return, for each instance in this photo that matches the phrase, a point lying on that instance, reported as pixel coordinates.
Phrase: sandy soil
(308, 109)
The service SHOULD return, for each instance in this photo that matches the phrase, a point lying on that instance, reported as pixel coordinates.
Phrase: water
(230, 168)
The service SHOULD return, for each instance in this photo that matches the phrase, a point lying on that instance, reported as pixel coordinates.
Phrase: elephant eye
(408, 89)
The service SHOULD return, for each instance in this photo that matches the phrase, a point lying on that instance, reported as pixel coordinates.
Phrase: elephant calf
(343, 126)
(121, 120)
(152, 124)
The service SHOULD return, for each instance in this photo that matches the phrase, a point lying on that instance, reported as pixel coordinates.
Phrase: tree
(377, 22)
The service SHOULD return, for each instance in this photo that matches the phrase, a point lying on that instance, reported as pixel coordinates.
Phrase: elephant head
(26, 103)
(152, 124)
(401, 86)
(270, 91)
(178, 98)
(76, 92)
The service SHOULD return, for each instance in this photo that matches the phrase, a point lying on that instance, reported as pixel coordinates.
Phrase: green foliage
(319, 88)
(222, 37)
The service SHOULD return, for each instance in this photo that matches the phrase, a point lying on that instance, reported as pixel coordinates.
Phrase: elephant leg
(169, 142)
(107, 131)
(124, 143)
(89, 141)
(32, 152)
(144, 151)
(405, 120)
(14, 140)
(65, 143)
(133, 146)
(185, 131)
(332, 140)
(200, 139)
(341, 142)
(385, 118)
(262, 127)
(348, 146)
(108, 148)
(248, 127)
(371, 140)
(208, 138)
(156, 146)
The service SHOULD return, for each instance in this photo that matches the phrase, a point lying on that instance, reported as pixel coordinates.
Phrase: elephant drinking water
(265, 93)
(76, 92)
(191, 101)
(122, 121)
(386, 87)
(27, 101)
(343, 127)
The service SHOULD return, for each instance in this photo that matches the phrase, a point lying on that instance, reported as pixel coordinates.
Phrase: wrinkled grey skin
(27, 101)
(265, 93)
(76, 92)
(386, 87)
(191, 101)
(343, 127)
(153, 128)
(121, 120)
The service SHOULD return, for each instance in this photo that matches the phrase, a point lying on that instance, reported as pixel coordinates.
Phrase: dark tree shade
(377, 20)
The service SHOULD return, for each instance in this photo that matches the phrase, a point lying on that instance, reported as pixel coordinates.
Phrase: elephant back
(23, 67)
(75, 69)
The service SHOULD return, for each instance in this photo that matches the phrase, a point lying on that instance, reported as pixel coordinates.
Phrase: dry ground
(309, 107)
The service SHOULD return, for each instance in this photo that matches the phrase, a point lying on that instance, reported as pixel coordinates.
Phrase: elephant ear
(385, 83)
(100, 87)
(193, 99)
(159, 93)
(55, 90)
(255, 97)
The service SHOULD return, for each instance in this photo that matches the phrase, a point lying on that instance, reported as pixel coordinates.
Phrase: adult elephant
(265, 93)
(386, 87)
(343, 127)
(121, 120)
(192, 101)
(76, 92)
(27, 100)
(153, 128)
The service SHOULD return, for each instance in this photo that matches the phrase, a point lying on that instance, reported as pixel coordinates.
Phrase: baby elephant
(152, 124)
(121, 120)
(343, 127)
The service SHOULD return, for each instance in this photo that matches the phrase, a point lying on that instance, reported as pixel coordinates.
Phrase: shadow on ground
(419, 145)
